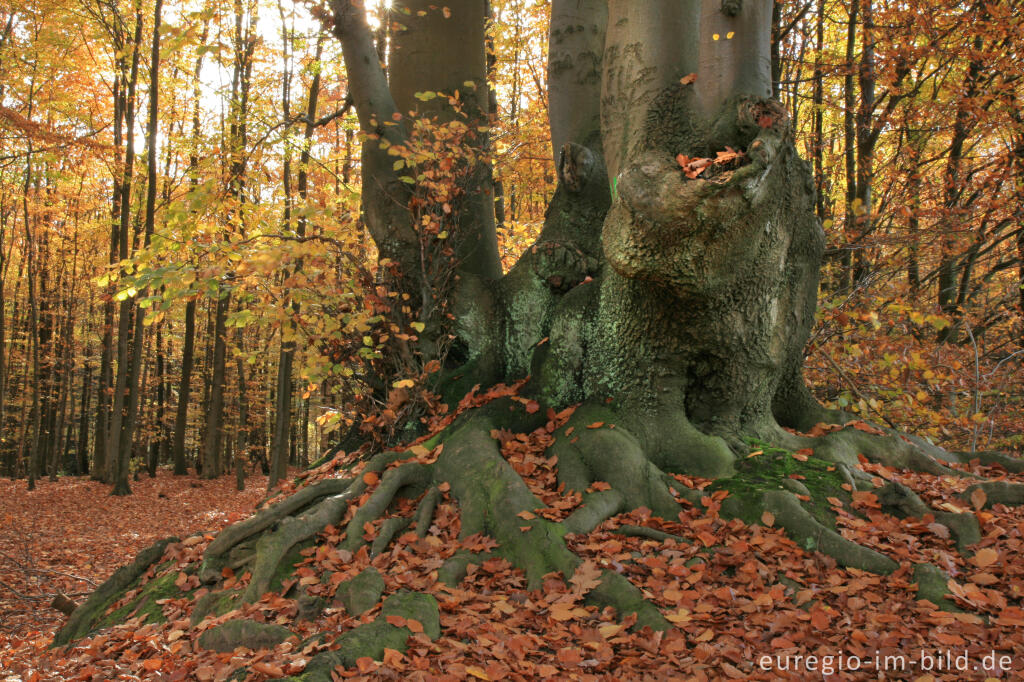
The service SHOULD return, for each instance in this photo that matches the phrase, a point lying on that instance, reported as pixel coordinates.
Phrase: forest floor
(746, 602)
(69, 536)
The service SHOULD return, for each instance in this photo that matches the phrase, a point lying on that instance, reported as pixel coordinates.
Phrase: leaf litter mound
(734, 592)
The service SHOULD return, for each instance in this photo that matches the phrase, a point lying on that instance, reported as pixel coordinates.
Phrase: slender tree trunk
(243, 435)
(282, 407)
(159, 439)
(949, 263)
(184, 389)
(215, 420)
(33, 331)
(818, 150)
(189, 341)
(865, 142)
(850, 148)
(117, 454)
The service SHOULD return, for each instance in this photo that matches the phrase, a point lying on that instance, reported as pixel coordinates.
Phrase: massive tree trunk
(661, 317)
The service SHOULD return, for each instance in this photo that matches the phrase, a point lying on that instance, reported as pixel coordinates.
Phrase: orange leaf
(768, 519)
(268, 669)
(688, 79)
(595, 425)
(397, 621)
(153, 663)
(985, 557)
(414, 625)
(370, 478)
(978, 498)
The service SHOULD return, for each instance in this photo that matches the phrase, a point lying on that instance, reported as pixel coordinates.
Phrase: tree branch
(368, 84)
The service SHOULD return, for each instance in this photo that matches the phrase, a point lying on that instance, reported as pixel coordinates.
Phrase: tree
(661, 314)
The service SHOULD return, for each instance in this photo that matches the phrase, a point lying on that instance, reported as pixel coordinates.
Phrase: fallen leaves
(695, 166)
(731, 592)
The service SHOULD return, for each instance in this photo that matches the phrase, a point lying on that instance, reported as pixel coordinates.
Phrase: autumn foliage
(910, 115)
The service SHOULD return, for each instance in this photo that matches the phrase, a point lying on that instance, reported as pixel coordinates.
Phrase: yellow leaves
(680, 616)
(404, 383)
(125, 294)
(563, 611)
(418, 326)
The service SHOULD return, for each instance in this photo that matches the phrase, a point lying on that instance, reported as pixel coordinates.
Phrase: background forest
(185, 279)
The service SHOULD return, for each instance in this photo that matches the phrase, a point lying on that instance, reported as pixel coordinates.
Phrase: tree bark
(117, 455)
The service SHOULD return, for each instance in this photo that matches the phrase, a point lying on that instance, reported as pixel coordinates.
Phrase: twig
(45, 571)
(853, 386)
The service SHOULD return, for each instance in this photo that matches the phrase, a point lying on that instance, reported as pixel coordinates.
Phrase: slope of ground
(746, 602)
(66, 537)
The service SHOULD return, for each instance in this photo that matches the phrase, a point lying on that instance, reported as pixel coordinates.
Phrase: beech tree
(660, 317)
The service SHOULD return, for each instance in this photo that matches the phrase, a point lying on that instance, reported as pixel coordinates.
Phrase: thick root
(84, 618)
(409, 474)
(215, 558)
(583, 458)
(272, 548)
(901, 501)
(809, 533)
(491, 494)
(997, 492)
(597, 507)
(425, 511)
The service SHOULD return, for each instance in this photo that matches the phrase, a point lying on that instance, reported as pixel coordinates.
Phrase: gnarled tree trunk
(661, 316)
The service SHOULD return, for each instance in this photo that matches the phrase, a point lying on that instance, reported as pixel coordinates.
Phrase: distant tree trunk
(244, 46)
(33, 331)
(821, 205)
(865, 142)
(184, 389)
(83, 424)
(949, 263)
(104, 410)
(244, 433)
(215, 419)
(850, 149)
(282, 407)
(117, 455)
(157, 445)
(189, 341)
(138, 336)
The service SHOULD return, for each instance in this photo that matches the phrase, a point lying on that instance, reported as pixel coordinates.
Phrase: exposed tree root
(600, 456)
(997, 492)
(408, 474)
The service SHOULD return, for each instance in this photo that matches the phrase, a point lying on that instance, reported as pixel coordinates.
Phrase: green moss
(215, 604)
(145, 606)
(777, 469)
(287, 565)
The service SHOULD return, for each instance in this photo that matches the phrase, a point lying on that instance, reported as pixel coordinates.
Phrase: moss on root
(85, 618)
(772, 468)
(145, 606)
(371, 639)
